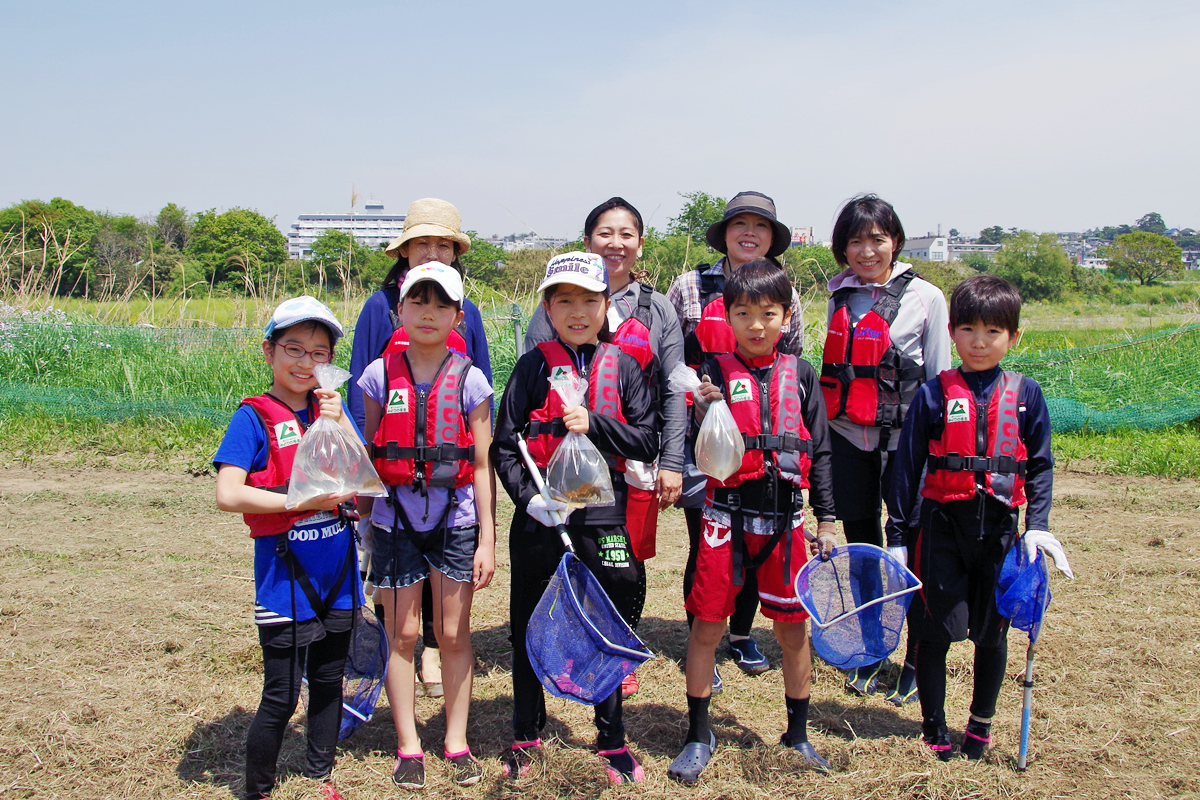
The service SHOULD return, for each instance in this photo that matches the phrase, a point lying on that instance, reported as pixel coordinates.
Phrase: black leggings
(988, 678)
(745, 606)
(323, 661)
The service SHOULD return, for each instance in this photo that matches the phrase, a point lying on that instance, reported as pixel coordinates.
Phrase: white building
(929, 248)
(960, 249)
(802, 235)
(371, 228)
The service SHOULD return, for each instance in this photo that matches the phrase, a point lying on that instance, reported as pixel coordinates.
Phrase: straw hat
(431, 217)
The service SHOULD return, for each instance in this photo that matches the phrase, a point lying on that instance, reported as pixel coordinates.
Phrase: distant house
(372, 227)
(960, 249)
(1091, 262)
(929, 248)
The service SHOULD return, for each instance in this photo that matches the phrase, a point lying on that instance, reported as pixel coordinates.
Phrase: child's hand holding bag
(577, 473)
(719, 445)
(330, 459)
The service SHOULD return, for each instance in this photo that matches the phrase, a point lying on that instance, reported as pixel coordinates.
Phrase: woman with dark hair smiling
(644, 325)
(748, 231)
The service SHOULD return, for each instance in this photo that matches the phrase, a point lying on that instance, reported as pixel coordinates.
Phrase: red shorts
(713, 592)
(641, 518)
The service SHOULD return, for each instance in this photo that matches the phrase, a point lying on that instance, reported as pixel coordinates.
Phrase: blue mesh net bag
(580, 647)
(857, 599)
(366, 666)
(1023, 590)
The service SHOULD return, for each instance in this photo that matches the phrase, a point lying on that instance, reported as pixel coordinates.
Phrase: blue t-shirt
(245, 441)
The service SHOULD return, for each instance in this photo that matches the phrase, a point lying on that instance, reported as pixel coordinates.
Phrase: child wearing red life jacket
(981, 435)
(755, 518)
(887, 335)
(621, 421)
(305, 560)
(428, 417)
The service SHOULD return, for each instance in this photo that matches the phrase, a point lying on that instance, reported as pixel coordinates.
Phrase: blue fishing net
(1023, 590)
(580, 647)
(857, 599)
(366, 666)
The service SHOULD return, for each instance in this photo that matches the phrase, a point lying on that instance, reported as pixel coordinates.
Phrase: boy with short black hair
(983, 435)
(755, 518)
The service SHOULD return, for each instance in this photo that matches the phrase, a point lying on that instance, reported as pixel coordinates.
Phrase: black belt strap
(955, 463)
(554, 428)
(392, 451)
(788, 442)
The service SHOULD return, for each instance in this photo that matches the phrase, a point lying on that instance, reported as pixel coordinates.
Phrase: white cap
(581, 269)
(303, 309)
(446, 276)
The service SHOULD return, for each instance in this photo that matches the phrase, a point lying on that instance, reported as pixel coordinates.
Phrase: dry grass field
(129, 666)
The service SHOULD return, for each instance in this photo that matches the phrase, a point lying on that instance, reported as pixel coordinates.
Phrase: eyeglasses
(297, 352)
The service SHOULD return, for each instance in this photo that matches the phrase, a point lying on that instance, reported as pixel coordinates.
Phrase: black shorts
(859, 479)
(957, 556)
(337, 620)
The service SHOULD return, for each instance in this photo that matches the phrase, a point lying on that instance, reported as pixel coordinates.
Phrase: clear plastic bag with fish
(330, 459)
(719, 444)
(577, 473)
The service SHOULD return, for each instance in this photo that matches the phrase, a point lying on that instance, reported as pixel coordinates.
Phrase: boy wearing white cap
(623, 426)
(428, 416)
(311, 545)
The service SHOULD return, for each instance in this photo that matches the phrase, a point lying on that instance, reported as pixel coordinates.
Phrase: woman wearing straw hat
(747, 231)
(432, 232)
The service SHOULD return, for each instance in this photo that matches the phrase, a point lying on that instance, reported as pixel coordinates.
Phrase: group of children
(953, 452)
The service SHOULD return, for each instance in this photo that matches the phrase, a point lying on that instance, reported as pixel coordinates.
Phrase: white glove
(1033, 541)
(549, 512)
(899, 553)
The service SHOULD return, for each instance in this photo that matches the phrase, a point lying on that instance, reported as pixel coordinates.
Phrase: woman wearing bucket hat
(645, 326)
(747, 231)
(432, 232)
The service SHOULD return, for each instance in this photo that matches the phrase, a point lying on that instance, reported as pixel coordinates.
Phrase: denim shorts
(402, 558)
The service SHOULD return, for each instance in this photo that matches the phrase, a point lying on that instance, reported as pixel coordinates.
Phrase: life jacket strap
(554, 428)
(788, 442)
(392, 451)
(956, 463)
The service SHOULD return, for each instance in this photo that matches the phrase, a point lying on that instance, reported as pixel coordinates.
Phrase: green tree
(238, 248)
(484, 261)
(1144, 256)
(992, 235)
(700, 211)
(977, 261)
(50, 245)
(1035, 264)
(809, 265)
(1152, 223)
(173, 225)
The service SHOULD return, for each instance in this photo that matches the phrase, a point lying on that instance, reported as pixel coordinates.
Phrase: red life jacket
(546, 427)
(284, 431)
(980, 445)
(770, 418)
(424, 439)
(633, 335)
(713, 335)
(863, 375)
(399, 342)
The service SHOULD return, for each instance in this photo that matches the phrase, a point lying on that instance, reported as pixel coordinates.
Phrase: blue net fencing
(578, 644)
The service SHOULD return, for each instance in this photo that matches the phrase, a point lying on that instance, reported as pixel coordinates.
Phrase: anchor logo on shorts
(713, 536)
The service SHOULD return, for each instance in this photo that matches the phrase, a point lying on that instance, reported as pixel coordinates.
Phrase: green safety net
(113, 372)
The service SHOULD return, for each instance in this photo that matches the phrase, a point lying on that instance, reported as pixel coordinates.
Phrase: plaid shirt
(684, 294)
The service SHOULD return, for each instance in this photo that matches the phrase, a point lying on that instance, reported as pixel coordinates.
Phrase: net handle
(536, 474)
(857, 609)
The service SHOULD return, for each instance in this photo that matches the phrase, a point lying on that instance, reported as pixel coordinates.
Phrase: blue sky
(1041, 115)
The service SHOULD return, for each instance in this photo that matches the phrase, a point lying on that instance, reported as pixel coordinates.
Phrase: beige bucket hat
(431, 217)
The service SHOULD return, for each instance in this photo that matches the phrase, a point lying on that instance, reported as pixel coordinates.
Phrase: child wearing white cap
(310, 547)
(428, 416)
(625, 426)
